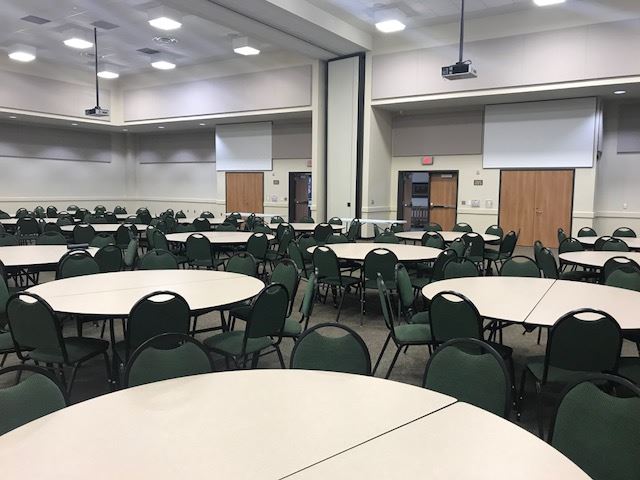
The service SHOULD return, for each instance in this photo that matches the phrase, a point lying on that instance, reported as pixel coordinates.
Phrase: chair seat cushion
(6, 342)
(78, 349)
(372, 283)
(495, 255)
(504, 351)
(629, 367)
(230, 343)
(577, 275)
(292, 328)
(414, 333)
(555, 375)
(203, 262)
(420, 318)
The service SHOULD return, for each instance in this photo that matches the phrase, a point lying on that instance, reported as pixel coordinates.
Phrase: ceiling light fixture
(163, 65)
(108, 74)
(242, 46)
(22, 53)
(164, 18)
(202, 124)
(389, 20)
(619, 92)
(13, 117)
(544, 3)
(78, 39)
(160, 126)
(390, 26)
(74, 124)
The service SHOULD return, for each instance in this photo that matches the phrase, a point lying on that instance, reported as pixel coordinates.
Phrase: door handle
(538, 211)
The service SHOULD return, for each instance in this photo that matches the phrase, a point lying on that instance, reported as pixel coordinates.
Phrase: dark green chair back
(610, 244)
(307, 220)
(441, 262)
(207, 214)
(433, 227)
(83, 234)
(386, 237)
(547, 264)
(155, 314)
(597, 426)
(471, 371)
(72, 208)
(387, 307)
(282, 228)
(242, 263)
(286, 273)
(406, 293)
(100, 209)
(305, 242)
(28, 226)
(166, 356)
(118, 210)
(283, 242)
(159, 239)
(452, 315)
(458, 246)
(570, 245)
(579, 343)
(102, 239)
(64, 220)
(201, 225)
(157, 259)
(257, 245)
(22, 212)
(354, 230)
(325, 264)
(34, 396)
(462, 227)
(52, 227)
(39, 212)
(508, 244)
(131, 254)
(322, 232)
(294, 253)
(51, 238)
(331, 347)
(180, 214)
(520, 266)
(562, 236)
(495, 230)
(432, 239)
(109, 259)
(306, 306)
(52, 212)
(380, 261)
(8, 240)
(624, 232)
(587, 232)
(4, 215)
(76, 263)
(537, 246)
(460, 268)
(474, 246)
(268, 312)
(259, 227)
(198, 248)
(335, 221)
(336, 238)
(621, 272)
(124, 234)
(277, 219)
(226, 227)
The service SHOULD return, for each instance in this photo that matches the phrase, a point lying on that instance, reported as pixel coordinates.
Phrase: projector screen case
(244, 147)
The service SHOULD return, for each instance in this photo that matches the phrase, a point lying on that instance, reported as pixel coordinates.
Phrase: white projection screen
(244, 147)
(548, 134)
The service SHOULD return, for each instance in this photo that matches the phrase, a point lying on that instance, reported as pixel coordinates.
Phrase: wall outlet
(488, 203)
(625, 205)
(463, 202)
(475, 203)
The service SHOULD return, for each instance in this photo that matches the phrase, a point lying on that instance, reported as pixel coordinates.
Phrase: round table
(448, 236)
(14, 221)
(34, 255)
(595, 259)
(632, 242)
(305, 227)
(540, 301)
(305, 421)
(212, 221)
(114, 294)
(103, 227)
(405, 253)
(219, 238)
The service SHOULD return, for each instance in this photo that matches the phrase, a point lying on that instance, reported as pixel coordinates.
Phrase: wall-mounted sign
(427, 160)
(478, 183)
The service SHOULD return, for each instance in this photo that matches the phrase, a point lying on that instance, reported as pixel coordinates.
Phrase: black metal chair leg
(523, 380)
(280, 356)
(254, 360)
(393, 362)
(340, 306)
(384, 347)
(539, 409)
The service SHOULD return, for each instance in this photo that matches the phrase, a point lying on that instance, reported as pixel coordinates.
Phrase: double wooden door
(536, 203)
(245, 192)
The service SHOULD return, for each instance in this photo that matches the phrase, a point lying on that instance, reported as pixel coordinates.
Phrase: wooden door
(299, 196)
(245, 192)
(405, 195)
(517, 203)
(537, 203)
(443, 199)
(554, 199)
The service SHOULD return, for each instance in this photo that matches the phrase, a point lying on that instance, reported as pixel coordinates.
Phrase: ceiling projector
(459, 71)
(97, 112)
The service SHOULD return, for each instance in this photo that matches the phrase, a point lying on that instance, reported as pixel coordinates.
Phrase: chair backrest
(354, 230)
(459, 268)
(34, 396)
(305, 242)
(8, 240)
(433, 227)
(322, 231)
(295, 254)
(495, 230)
(124, 234)
(596, 424)
(386, 306)
(155, 314)
(623, 232)
(562, 236)
(51, 238)
(268, 312)
(131, 253)
(441, 262)
(570, 245)
(547, 263)
(610, 244)
(201, 225)
(52, 227)
(4, 215)
(587, 232)
(471, 371)
(207, 214)
(226, 227)
(109, 259)
(285, 239)
(508, 243)
(243, 263)
(335, 221)
(621, 272)
(386, 237)
(83, 233)
(22, 212)
(157, 259)
(28, 226)
(282, 228)
(165, 356)
(580, 343)
(276, 219)
(118, 210)
(75, 263)
(286, 273)
(325, 263)
(52, 212)
(307, 220)
(380, 261)
(323, 348)
(432, 239)
(159, 239)
(462, 227)
(452, 315)
(306, 306)
(520, 266)
(198, 247)
(261, 227)
(34, 325)
(406, 294)
(474, 245)
(102, 239)
(336, 238)
(180, 214)
(257, 245)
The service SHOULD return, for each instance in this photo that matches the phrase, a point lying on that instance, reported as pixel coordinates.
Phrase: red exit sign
(427, 160)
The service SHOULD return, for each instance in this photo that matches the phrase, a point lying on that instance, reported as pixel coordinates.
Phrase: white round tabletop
(216, 237)
(632, 242)
(114, 294)
(540, 301)
(405, 253)
(595, 259)
(264, 424)
(14, 221)
(189, 220)
(102, 227)
(34, 255)
(305, 227)
(448, 236)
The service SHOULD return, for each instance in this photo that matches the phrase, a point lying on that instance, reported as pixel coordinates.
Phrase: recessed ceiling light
(78, 39)
(74, 124)
(160, 126)
(390, 26)
(242, 46)
(125, 130)
(13, 117)
(163, 65)
(22, 53)
(619, 92)
(544, 3)
(164, 18)
(202, 124)
(108, 74)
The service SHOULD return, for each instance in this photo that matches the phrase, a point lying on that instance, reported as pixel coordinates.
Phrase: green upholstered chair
(335, 221)
(321, 232)
(354, 230)
(292, 327)
(520, 266)
(436, 273)
(328, 274)
(610, 244)
(507, 246)
(75, 263)
(102, 239)
(624, 232)
(621, 272)
(201, 225)
(462, 227)
(243, 263)
(166, 356)
(331, 347)
(131, 254)
(474, 248)
(460, 268)
(471, 371)
(407, 297)
(157, 259)
(433, 227)
(51, 238)
(199, 252)
(83, 233)
(432, 239)
(587, 232)
(295, 254)
(386, 237)
(35, 395)
(109, 259)
(380, 261)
